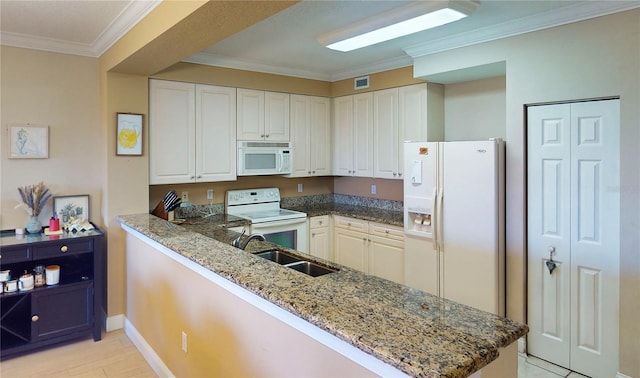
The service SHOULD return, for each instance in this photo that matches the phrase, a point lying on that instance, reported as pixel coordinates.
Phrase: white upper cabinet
(386, 136)
(310, 136)
(187, 122)
(215, 133)
(410, 113)
(262, 116)
(353, 135)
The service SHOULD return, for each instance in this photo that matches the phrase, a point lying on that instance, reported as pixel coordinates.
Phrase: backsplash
(298, 202)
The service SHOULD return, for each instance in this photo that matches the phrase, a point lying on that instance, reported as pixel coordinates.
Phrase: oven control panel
(249, 196)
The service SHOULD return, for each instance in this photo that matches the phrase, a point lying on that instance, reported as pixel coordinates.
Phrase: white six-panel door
(573, 235)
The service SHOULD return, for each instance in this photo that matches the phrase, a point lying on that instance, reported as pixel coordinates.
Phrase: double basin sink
(295, 262)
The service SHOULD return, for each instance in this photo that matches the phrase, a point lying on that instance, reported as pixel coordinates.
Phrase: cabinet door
(300, 135)
(412, 113)
(351, 249)
(320, 141)
(385, 134)
(363, 135)
(250, 114)
(319, 242)
(343, 136)
(276, 117)
(386, 258)
(61, 311)
(215, 133)
(171, 132)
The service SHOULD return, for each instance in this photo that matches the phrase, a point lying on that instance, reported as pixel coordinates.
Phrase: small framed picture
(28, 142)
(70, 208)
(129, 134)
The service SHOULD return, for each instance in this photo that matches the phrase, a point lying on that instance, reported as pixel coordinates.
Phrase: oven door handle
(285, 222)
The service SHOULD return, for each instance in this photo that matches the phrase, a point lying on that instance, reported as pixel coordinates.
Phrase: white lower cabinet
(369, 247)
(320, 237)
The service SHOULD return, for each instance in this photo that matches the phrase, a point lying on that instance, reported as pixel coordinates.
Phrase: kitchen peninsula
(243, 315)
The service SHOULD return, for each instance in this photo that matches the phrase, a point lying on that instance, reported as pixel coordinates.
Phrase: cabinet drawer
(16, 254)
(62, 248)
(320, 221)
(386, 231)
(351, 223)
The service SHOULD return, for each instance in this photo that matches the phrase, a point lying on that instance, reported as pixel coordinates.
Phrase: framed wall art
(129, 134)
(70, 208)
(28, 142)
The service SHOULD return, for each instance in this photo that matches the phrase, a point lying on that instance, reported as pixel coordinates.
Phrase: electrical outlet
(299, 188)
(185, 196)
(184, 342)
(209, 194)
(373, 189)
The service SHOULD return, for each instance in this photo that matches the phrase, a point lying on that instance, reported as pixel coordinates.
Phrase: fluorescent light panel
(397, 23)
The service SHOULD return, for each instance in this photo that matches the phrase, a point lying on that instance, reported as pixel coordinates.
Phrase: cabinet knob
(35, 318)
(309, 172)
(399, 173)
(394, 174)
(319, 222)
(64, 249)
(261, 135)
(313, 234)
(191, 177)
(386, 231)
(364, 239)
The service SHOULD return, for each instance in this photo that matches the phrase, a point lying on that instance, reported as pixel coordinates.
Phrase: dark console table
(47, 315)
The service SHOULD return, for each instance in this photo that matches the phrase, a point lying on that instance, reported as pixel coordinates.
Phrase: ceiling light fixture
(408, 19)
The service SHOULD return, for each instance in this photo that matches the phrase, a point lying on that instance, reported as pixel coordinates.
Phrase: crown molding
(557, 17)
(216, 60)
(45, 44)
(381, 66)
(127, 19)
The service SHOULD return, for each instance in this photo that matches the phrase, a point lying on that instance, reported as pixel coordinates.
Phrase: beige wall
(61, 91)
(589, 59)
(288, 188)
(379, 80)
(475, 110)
(226, 336)
(198, 73)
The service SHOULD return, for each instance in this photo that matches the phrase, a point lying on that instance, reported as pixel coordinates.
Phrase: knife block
(159, 212)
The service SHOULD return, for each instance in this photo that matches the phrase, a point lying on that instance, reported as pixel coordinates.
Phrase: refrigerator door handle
(439, 219)
(434, 219)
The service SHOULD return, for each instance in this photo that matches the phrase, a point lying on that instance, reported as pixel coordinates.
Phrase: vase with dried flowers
(34, 197)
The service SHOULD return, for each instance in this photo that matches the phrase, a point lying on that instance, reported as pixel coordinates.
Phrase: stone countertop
(394, 218)
(418, 333)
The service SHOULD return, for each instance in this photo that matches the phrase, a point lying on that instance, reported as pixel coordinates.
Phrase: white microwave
(264, 158)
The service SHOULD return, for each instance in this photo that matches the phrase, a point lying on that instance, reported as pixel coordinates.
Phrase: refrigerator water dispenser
(418, 222)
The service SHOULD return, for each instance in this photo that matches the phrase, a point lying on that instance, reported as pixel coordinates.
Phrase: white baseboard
(620, 375)
(115, 322)
(522, 345)
(147, 351)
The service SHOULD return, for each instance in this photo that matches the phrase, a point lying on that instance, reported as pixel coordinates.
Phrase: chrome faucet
(242, 244)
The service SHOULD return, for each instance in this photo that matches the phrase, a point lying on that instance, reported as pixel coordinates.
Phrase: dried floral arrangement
(35, 197)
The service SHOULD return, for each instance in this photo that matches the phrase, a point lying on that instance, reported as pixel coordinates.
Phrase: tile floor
(531, 367)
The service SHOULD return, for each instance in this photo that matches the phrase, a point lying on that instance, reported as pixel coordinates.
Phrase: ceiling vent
(361, 82)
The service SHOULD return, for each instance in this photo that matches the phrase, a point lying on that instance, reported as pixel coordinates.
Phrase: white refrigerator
(454, 221)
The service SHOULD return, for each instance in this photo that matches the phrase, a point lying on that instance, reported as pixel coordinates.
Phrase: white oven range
(261, 206)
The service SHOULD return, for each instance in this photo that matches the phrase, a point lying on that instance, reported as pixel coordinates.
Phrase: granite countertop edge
(424, 336)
